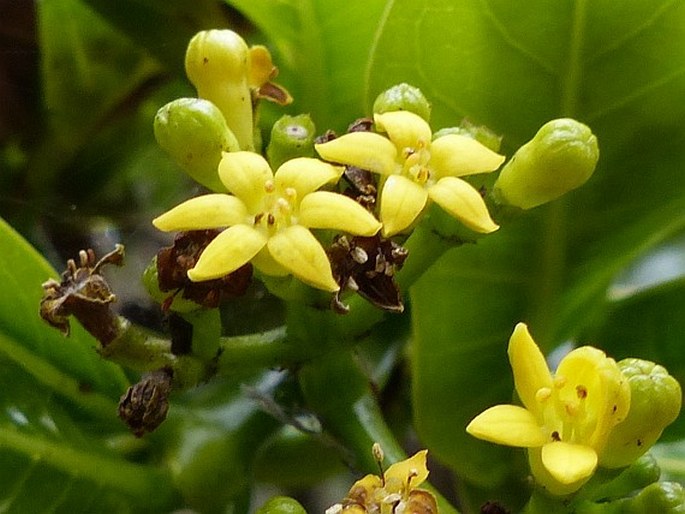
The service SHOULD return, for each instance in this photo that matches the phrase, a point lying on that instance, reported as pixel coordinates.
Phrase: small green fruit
(281, 505)
(403, 97)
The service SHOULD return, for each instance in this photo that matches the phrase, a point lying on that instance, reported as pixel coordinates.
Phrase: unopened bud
(194, 132)
(218, 64)
(655, 400)
(562, 156)
(403, 97)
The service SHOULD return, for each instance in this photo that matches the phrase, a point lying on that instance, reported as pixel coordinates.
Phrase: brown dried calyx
(173, 263)
(85, 294)
(368, 265)
(145, 405)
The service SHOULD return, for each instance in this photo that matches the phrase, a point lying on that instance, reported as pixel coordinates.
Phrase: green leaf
(321, 48)
(514, 66)
(51, 465)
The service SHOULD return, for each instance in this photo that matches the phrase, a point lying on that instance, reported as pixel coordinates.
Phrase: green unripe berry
(281, 505)
(562, 156)
(403, 97)
(218, 65)
(194, 132)
(655, 401)
(291, 137)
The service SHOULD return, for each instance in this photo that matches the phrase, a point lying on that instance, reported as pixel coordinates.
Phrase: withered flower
(173, 263)
(84, 293)
(367, 265)
(145, 404)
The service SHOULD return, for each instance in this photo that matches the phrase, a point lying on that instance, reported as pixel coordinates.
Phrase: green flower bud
(480, 133)
(281, 505)
(661, 497)
(194, 132)
(291, 137)
(654, 404)
(218, 64)
(562, 156)
(403, 97)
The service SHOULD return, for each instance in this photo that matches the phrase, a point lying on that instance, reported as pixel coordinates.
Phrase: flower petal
(507, 424)
(529, 366)
(244, 174)
(414, 467)
(606, 392)
(365, 150)
(203, 212)
(405, 129)
(569, 463)
(402, 200)
(464, 202)
(227, 252)
(323, 209)
(305, 175)
(455, 155)
(296, 249)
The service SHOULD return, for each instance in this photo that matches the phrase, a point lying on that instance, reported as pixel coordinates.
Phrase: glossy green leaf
(321, 48)
(514, 66)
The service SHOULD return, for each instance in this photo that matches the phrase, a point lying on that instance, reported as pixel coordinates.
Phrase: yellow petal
(464, 202)
(227, 252)
(267, 265)
(607, 392)
(203, 212)
(245, 174)
(305, 175)
(414, 467)
(529, 366)
(405, 129)
(402, 200)
(323, 209)
(507, 424)
(569, 463)
(366, 150)
(296, 249)
(455, 155)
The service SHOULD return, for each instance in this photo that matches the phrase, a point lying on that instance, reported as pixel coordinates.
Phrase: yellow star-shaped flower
(415, 169)
(268, 217)
(566, 419)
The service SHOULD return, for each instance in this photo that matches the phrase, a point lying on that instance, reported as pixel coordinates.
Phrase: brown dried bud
(421, 502)
(493, 508)
(173, 263)
(145, 404)
(84, 294)
(368, 265)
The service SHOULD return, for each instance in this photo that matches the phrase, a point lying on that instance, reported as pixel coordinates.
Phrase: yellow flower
(396, 490)
(566, 419)
(415, 169)
(268, 218)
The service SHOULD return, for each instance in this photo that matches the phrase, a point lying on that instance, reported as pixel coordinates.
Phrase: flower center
(277, 209)
(415, 164)
(564, 411)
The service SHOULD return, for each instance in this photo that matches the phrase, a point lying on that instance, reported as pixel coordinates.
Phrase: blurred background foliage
(81, 81)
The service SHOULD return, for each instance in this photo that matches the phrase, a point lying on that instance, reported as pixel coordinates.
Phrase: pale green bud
(403, 97)
(218, 64)
(194, 132)
(291, 137)
(281, 505)
(480, 133)
(655, 400)
(562, 156)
